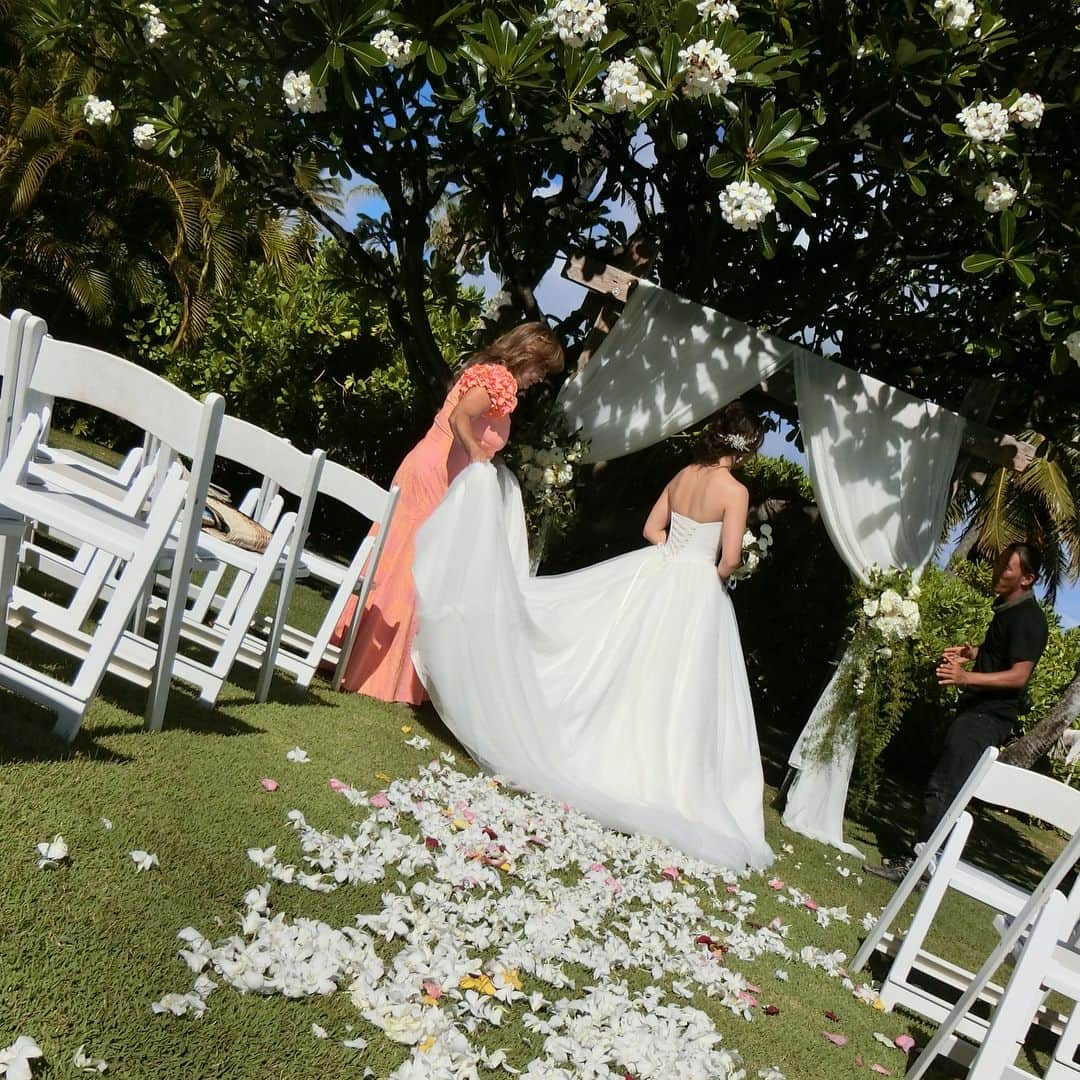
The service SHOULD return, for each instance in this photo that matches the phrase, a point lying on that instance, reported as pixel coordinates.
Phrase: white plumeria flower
(98, 111)
(153, 28)
(579, 22)
(708, 69)
(144, 136)
(180, 1005)
(771, 1073)
(15, 1059)
(418, 742)
(861, 131)
(996, 194)
(143, 860)
(319, 1032)
(623, 86)
(984, 122)
(398, 53)
(301, 95)
(956, 14)
(106, 824)
(745, 204)
(575, 131)
(52, 853)
(297, 756)
(82, 1061)
(1072, 343)
(1027, 110)
(721, 10)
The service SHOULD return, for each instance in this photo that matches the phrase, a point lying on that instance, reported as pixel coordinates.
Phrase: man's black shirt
(1017, 632)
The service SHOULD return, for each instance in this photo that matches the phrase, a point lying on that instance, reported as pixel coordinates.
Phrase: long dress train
(620, 688)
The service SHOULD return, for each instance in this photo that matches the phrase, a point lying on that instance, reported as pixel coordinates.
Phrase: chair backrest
(71, 372)
(1029, 792)
(269, 455)
(353, 490)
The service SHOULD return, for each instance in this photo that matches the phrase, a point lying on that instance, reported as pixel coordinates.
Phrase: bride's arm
(656, 524)
(734, 527)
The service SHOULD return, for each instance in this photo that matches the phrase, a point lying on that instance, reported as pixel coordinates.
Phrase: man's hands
(950, 672)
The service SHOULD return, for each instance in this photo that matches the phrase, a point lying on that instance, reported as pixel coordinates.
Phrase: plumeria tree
(896, 179)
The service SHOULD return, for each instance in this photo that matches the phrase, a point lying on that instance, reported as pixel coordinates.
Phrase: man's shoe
(893, 869)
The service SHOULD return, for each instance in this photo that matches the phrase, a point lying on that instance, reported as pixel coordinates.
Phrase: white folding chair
(1048, 962)
(288, 469)
(299, 653)
(183, 426)
(135, 544)
(998, 785)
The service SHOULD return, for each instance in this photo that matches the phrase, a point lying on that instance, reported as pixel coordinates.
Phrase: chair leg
(68, 723)
(9, 568)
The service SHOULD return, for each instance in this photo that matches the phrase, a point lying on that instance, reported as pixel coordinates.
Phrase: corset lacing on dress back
(694, 540)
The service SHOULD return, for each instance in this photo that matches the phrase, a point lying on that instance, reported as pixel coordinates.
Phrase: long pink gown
(380, 664)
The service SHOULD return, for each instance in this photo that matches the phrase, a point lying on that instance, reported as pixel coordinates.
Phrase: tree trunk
(1039, 740)
(967, 543)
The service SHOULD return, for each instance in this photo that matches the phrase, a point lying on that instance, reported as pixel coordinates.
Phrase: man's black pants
(970, 734)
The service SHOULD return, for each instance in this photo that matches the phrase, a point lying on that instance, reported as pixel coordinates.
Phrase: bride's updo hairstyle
(530, 346)
(733, 431)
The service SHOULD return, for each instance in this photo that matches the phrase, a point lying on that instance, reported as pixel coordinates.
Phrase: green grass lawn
(85, 948)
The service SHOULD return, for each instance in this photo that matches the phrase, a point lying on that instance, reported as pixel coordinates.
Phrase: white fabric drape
(668, 363)
(881, 463)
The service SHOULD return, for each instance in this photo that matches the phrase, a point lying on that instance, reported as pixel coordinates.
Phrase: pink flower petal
(811, 904)
(432, 989)
(733, 888)
(379, 800)
(905, 1042)
(670, 872)
(835, 1038)
(776, 884)
(880, 1070)
(337, 785)
(270, 785)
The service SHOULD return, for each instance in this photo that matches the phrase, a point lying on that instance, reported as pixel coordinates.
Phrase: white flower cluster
(624, 88)
(996, 194)
(398, 53)
(894, 616)
(490, 890)
(153, 28)
(97, 111)
(956, 14)
(548, 469)
(300, 95)
(1027, 111)
(986, 121)
(574, 131)
(721, 10)
(579, 22)
(1072, 343)
(144, 136)
(707, 71)
(745, 204)
(754, 549)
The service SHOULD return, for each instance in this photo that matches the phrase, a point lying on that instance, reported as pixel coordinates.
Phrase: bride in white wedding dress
(621, 688)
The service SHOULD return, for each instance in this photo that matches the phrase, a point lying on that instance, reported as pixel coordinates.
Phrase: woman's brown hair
(734, 430)
(530, 345)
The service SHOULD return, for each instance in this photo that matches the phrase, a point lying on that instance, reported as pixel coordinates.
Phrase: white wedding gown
(619, 689)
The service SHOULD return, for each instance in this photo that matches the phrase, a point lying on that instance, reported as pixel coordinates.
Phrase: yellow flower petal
(405, 729)
(382, 776)
(427, 1044)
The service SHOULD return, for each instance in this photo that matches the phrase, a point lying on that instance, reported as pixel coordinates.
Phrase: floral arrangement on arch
(873, 688)
(755, 549)
(547, 460)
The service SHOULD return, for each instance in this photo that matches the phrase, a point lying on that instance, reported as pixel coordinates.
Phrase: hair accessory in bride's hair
(738, 442)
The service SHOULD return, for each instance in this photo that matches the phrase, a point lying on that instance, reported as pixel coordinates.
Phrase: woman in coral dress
(472, 425)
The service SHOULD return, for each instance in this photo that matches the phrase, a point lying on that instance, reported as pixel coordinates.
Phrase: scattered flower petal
(81, 1060)
(297, 756)
(52, 853)
(835, 1037)
(268, 784)
(143, 860)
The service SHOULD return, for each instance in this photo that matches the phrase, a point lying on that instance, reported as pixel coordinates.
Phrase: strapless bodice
(693, 540)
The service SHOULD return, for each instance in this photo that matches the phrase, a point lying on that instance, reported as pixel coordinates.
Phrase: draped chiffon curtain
(881, 464)
(667, 364)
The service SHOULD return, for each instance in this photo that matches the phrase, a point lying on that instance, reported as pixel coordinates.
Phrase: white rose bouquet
(755, 549)
(875, 675)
